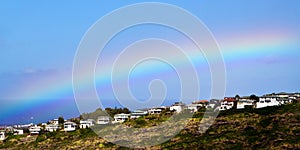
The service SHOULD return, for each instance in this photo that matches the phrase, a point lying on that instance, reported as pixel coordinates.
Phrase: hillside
(267, 128)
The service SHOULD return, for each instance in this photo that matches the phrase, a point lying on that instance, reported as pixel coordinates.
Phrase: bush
(87, 133)
(250, 131)
(265, 122)
(40, 138)
(152, 117)
(140, 122)
(50, 134)
(249, 108)
(267, 110)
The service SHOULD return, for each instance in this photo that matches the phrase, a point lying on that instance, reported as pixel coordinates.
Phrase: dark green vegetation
(149, 120)
(61, 120)
(108, 111)
(267, 128)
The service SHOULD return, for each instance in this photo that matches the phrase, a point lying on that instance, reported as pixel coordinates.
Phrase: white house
(54, 121)
(244, 102)
(210, 105)
(69, 126)
(18, 131)
(35, 129)
(227, 103)
(86, 123)
(194, 107)
(177, 107)
(121, 117)
(292, 98)
(203, 103)
(138, 113)
(286, 100)
(265, 101)
(282, 95)
(52, 127)
(23, 126)
(296, 94)
(92, 121)
(153, 111)
(2, 136)
(103, 120)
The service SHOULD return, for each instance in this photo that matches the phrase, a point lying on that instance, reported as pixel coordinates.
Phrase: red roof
(225, 98)
(200, 101)
(229, 100)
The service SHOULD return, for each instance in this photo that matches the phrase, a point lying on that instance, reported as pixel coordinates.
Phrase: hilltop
(276, 127)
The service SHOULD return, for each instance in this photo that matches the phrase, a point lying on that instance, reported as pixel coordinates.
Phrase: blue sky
(38, 41)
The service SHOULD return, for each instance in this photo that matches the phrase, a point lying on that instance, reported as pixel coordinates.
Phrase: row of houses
(15, 130)
(225, 104)
(37, 129)
(259, 102)
(68, 126)
(119, 118)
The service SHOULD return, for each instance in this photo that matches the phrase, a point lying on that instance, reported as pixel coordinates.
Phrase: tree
(113, 111)
(237, 97)
(61, 120)
(254, 97)
(76, 120)
(126, 110)
(109, 111)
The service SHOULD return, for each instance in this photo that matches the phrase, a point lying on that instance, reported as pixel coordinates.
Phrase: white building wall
(138, 113)
(35, 129)
(18, 131)
(85, 124)
(267, 101)
(103, 120)
(121, 117)
(69, 126)
(177, 108)
(52, 127)
(225, 105)
(242, 103)
(154, 111)
(2, 136)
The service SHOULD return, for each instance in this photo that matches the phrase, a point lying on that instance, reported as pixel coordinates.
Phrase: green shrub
(250, 131)
(140, 122)
(265, 122)
(40, 138)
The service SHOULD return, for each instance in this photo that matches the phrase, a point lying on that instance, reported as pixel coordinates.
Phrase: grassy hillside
(267, 128)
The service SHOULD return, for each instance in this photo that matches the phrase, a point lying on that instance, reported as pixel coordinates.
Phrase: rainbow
(235, 49)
